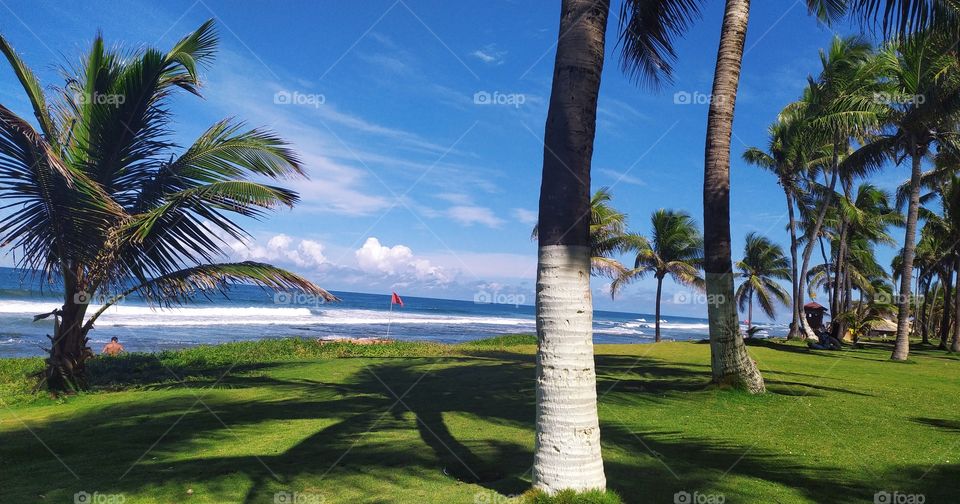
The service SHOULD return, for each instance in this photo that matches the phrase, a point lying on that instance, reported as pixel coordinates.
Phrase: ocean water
(250, 313)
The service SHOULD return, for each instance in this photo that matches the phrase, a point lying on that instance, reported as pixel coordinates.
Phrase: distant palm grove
(101, 202)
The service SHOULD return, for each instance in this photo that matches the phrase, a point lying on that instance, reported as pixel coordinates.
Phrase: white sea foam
(137, 316)
(683, 326)
(619, 331)
(132, 315)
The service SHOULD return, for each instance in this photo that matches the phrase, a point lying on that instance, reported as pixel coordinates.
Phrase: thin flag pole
(390, 317)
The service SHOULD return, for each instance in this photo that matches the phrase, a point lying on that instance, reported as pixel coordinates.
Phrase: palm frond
(182, 286)
(903, 17)
(625, 278)
(220, 154)
(55, 211)
(648, 29)
(197, 48)
(34, 91)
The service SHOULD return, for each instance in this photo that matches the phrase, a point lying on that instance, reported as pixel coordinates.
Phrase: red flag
(395, 299)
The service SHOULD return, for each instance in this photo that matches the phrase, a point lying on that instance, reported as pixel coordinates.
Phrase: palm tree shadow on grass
(365, 405)
(940, 423)
(864, 350)
(363, 431)
(652, 379)
(673, 462)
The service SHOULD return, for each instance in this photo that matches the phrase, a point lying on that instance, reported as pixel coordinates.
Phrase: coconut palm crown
(675, 250)
(762, 265)
(99, 200)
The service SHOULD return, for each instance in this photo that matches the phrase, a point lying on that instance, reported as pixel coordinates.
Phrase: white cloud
(378, 266)
(337, 188)
(526, 217)
(312, 251)
(489, 54)
(282, 248)
(399, 261)
(622, 177)
(469, 215)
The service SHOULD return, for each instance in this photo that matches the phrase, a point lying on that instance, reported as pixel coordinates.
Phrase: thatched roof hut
(883, 326)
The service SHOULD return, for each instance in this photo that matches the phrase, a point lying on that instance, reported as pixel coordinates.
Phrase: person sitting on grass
(113, 348)
(827, 340)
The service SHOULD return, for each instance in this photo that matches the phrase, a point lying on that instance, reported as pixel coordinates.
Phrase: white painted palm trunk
(568, 430)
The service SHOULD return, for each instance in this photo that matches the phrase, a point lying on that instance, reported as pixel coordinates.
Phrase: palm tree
(866, 219)
(899, 17)
(838, 105)
(933, 252)
(647, 31)
(676, 250)
(863, 315)
(942, 240)
(646, 36)
(608, 226)
(762, 265)
(923, 105)
(567, 452)
(729, 359)
(99, 202)
(781, 158)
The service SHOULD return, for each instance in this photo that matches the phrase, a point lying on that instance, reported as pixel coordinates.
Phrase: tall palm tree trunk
(944, 329)
(812, 238)
(826, 266)
(845, 292)
(924, 335)
(796, 320)
(657, 308)
(955, 346)
(841, 294)
(837, 285)
(567, 453)
(902, 349)
(730, 362)
(750, 310)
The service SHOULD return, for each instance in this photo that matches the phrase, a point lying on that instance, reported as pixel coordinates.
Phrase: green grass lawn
(411, 422)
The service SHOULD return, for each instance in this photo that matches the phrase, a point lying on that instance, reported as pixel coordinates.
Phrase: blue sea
(250, 313)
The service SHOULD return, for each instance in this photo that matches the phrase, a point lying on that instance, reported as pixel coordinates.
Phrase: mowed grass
(417, 422)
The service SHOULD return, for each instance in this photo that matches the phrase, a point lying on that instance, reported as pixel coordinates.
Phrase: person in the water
(113, 348)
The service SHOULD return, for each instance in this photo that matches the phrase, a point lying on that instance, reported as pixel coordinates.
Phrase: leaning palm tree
(923, 101)
(676, 250)
(567, 449)
(836, 106)
(762, 265)
(783, 158)
(101, 205)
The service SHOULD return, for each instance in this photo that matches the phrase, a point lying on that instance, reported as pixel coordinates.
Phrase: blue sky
(415, 187)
